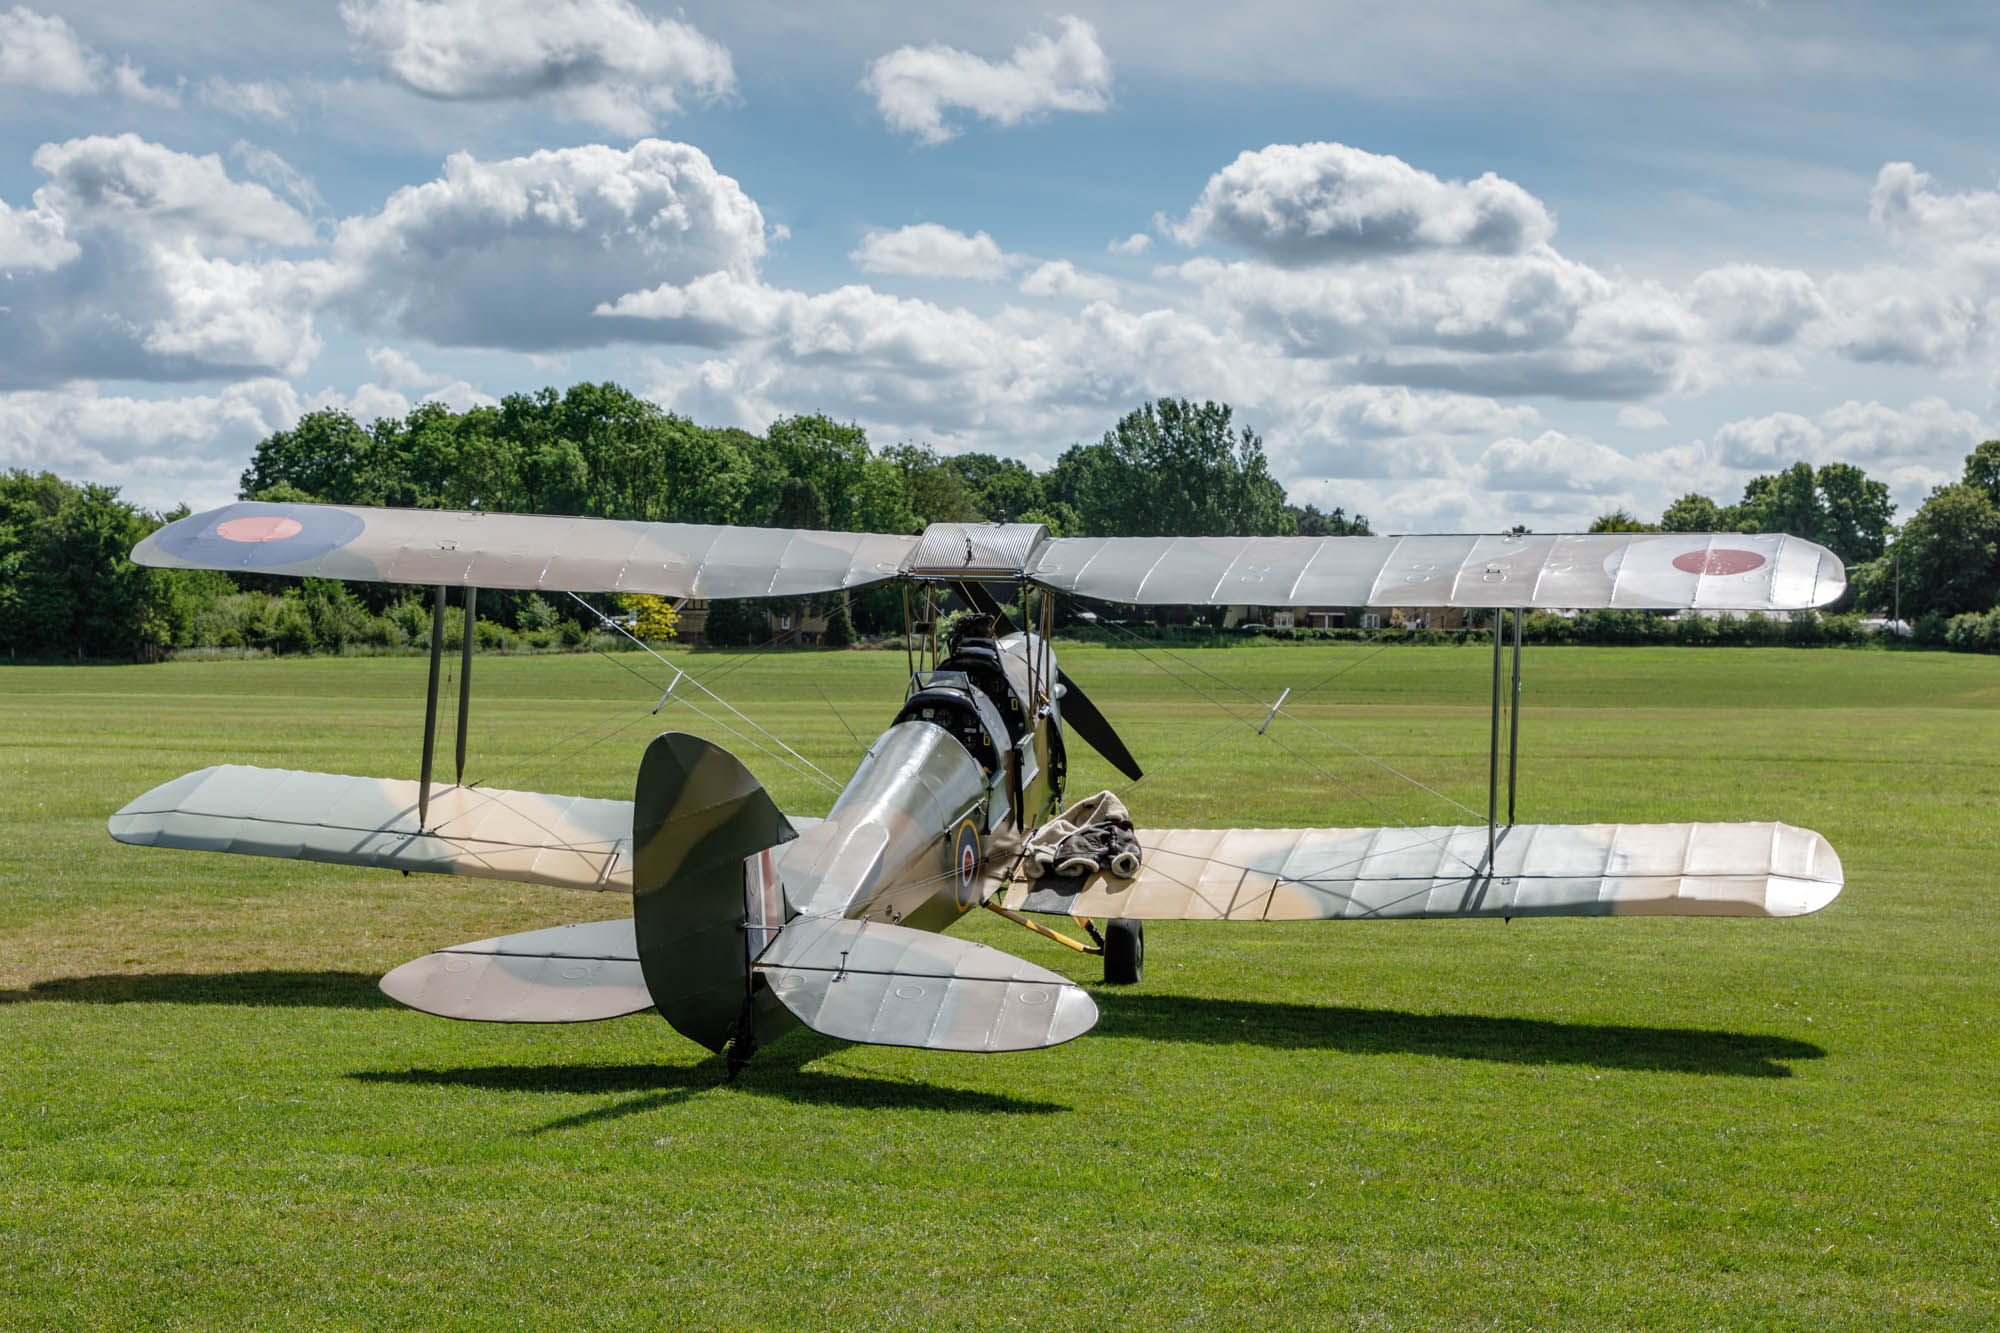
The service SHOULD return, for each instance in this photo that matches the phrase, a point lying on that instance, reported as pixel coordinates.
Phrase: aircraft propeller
(1079, 714)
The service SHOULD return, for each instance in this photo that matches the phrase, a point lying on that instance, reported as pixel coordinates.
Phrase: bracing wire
(797, 762)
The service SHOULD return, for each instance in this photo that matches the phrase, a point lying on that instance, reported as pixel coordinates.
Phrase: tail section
(698, 819)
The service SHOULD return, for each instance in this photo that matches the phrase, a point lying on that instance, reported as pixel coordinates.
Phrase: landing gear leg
(742, 1043)
(1124, 952)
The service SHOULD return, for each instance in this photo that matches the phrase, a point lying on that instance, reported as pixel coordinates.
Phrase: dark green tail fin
(697, 814)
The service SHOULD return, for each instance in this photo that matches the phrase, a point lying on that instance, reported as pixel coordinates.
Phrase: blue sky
(1462, 265)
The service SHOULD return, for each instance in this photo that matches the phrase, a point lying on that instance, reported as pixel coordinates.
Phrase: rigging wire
(1144, 648)
(801, 765)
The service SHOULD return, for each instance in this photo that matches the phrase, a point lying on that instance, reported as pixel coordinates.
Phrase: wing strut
(431, 697)
(1514, 719)
(1512, 706)
(465, 678)
(431, 711)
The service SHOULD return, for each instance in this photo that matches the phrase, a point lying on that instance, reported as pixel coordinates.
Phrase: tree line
(597, 450)
(1170, 467)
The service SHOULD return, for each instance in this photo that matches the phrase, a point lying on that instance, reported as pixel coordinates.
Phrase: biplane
(746, 920)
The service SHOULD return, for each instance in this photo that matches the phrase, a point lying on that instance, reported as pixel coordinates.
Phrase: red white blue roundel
(965, 860)
(254, 535)
(1661, 567)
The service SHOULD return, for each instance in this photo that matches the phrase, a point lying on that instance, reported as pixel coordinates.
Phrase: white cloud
(1752, 303)
(259, 100)
(41, 51)
(928, 250)
(1135, 244)
(914, 86)
(460, 396)
(603, 62)
(161, 272)
(33, 239)
(160, 451)
(1901, 445)
(1764, 444)
(130, 81)
(397, 370)
(1060, 280)
(279, 174)
(520, 252)
(1318, 203)
(1634, 417)
(144, 187)
(1560, 463)
(1910, 213)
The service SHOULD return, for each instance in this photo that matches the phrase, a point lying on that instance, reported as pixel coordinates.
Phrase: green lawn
(210, 1118)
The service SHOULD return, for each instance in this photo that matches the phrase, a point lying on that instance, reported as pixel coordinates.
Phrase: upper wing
(1759, 572)
(433, 546)
(1541, 870)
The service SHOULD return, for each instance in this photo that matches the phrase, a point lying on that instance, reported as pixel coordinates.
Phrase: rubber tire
(1124, 952)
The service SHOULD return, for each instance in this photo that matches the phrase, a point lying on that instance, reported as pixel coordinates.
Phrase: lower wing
(1396, 873)
(568, 841)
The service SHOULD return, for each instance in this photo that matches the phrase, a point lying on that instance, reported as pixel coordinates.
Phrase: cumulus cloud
(398, 370)
(141, 187)
(928, 250)
(1938, 303)
(42, 51)
(949, 375)
(1752, 303)
(160, 450)
(915, 86)
(1904, 206)
(603, 62)
(520, 252)
(1557, 462)
(1868, 433)
(1135, 244)
(1320, 203)
(1060, 280)
(155, 265)
(32, 238)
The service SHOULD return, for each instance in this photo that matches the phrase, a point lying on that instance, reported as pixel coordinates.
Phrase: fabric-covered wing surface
(433, 546)
(1759, 572)
(1387, 873)
(869, 981)
(569, 841)
(564, 974)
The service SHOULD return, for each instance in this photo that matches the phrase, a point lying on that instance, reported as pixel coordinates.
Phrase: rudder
(697, 816)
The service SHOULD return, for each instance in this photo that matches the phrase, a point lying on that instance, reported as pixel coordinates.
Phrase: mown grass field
(210, 1119)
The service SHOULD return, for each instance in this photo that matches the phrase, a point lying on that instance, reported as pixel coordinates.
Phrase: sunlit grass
(209, 1117)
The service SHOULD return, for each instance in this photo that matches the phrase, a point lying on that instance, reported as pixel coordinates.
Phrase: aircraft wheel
(1124, 952)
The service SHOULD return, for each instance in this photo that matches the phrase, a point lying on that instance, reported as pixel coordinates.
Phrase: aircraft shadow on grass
(1528, 1041)
(777, 1072)
(263, 989)
(1178, 1018)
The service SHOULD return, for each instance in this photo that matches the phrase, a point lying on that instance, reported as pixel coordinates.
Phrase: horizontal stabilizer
(869, 981)
(568, 841)
(564, 974)
(1392, 873)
